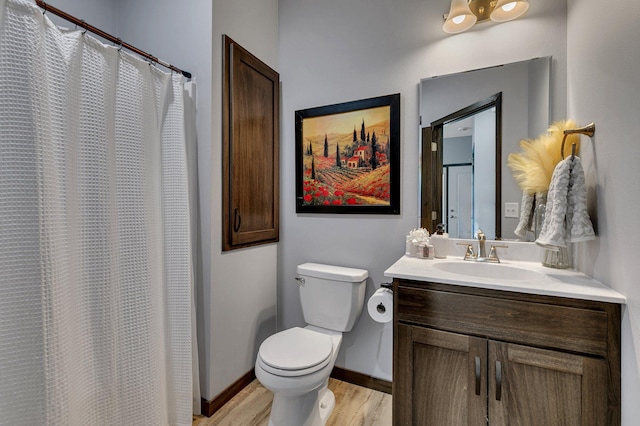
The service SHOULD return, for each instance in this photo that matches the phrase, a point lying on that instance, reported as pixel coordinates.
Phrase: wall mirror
(481, 114)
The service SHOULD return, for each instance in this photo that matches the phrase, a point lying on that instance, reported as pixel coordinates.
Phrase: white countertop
(551, 282)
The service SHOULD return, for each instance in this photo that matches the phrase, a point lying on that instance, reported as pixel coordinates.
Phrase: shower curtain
(95, 246)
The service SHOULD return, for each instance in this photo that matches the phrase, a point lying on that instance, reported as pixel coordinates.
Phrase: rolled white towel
(526, 215)
(579, 226)
(566, 217)
(553, 228)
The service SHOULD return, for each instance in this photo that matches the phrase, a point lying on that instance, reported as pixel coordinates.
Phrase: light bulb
(458, 19)
(509, 6)
(506, 10)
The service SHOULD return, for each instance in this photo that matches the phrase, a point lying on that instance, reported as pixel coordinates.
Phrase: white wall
(603, 82)
(336, 51)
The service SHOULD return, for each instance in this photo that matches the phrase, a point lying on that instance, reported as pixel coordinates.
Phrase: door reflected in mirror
(465, 155)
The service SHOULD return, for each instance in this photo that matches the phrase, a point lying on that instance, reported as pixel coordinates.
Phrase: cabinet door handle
(478, 379)
(237, 220)
(498, 380)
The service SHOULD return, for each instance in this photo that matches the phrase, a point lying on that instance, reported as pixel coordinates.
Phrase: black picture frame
(344, 170)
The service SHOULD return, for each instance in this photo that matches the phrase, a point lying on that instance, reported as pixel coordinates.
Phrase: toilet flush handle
(300, 280)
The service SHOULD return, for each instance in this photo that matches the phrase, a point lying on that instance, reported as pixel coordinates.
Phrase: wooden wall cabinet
(467, 356)
(250, 149)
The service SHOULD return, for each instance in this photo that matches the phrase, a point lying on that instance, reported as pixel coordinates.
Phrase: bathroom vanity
(503, 344)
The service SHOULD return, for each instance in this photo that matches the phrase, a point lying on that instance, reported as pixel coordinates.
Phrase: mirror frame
(432, 164)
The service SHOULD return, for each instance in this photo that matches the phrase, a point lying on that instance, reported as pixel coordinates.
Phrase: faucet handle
(493, 254)
(469, 253)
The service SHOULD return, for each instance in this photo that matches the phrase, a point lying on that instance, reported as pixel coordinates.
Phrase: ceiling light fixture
(464, 14)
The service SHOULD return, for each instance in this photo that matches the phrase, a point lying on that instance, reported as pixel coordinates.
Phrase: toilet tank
(331, 296)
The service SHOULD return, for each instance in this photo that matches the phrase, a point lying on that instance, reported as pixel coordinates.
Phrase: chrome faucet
(481, 254)
(482, 249)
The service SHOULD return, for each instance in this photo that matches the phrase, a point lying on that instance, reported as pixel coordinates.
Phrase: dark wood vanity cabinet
(468, 356)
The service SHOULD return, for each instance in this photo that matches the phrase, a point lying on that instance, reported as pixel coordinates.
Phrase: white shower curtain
(95, 247)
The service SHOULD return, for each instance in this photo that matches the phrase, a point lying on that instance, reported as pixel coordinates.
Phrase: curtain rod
(107, 36)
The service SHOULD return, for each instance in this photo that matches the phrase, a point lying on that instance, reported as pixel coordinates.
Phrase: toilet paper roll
(380, 305)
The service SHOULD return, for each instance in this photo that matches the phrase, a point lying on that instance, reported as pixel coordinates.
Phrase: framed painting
(348, 157)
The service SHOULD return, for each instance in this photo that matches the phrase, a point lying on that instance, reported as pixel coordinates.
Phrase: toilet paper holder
(380, 304)
(381, 308)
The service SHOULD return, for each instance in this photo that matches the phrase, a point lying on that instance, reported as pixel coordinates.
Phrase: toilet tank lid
(331, 272)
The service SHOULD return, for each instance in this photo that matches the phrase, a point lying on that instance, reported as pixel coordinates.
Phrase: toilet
(295, 364)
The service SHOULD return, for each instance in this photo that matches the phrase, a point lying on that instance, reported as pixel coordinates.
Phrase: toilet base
(310, 409)
(326, 405)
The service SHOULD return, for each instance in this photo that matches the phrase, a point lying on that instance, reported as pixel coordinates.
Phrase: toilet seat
(295, 352)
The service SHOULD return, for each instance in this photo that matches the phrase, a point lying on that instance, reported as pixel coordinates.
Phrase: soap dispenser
(440, 241)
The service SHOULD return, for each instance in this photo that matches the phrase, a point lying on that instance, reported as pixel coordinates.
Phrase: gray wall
(102, 14)
(484, 164)
(603, 87)
(457, 150)
(336, 51)
(241, 301)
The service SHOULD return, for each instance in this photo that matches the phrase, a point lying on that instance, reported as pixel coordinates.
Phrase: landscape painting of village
(344, 159)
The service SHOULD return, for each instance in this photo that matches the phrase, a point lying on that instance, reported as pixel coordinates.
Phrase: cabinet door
(251, 123)
(531, 386)
(439, 379)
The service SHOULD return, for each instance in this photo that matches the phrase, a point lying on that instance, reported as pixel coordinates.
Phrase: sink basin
(489, 270)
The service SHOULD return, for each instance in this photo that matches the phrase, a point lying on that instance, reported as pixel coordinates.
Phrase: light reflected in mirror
(525, 111)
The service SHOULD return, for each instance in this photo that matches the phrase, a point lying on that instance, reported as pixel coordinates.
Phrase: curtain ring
(85, 29)
(44, 6)
(120, 41)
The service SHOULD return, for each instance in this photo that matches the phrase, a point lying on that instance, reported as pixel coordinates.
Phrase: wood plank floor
(355, 405)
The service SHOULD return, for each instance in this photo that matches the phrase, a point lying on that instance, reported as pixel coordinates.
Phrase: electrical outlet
(511, 210)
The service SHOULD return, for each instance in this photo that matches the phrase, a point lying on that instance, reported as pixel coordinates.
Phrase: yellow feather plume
(533, 168)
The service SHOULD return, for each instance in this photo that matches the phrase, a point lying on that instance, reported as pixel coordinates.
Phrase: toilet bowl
(295, 364)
